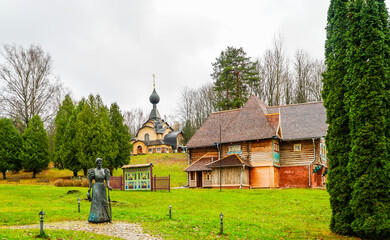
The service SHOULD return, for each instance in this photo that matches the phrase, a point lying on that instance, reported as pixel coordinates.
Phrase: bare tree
(303, 73)
(273, 71)
(134, 119)
(315, 84)
(287, 85)
(29, 88)
(195, 106)
(259, 88)
(279, 58)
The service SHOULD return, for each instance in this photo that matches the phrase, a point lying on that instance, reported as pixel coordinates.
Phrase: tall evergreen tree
(93, 133)
(69, 147)
(120, 139)
(368, 100)
(10, 147)
(64, 113)
(337, 140)
(35, 153)
(234, 73)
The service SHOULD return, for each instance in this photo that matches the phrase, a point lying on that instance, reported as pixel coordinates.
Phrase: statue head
(99, 160)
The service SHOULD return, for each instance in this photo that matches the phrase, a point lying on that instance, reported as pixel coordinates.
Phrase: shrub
(71, 183)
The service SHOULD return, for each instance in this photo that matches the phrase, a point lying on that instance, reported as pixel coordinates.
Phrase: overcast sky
(112, 48)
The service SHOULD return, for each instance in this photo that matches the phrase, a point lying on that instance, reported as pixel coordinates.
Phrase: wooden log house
(260, 146)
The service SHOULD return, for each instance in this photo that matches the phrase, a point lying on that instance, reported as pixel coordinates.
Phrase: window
(158, 149)
(147, 137)
(150, 150)
(297, 147)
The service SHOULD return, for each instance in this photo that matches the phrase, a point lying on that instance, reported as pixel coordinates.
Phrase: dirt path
(116, 229)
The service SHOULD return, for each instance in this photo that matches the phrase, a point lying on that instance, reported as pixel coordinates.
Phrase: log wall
(264, 177)
(261, 153)
(196, 153)
(231, 177)
(289, 157)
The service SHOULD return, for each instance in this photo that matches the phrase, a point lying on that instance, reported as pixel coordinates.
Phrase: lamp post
(219, 146)
(41, 217)
(78, 202)
(170, 211)
(221, 215)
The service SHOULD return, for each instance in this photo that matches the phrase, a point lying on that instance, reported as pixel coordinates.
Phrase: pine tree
(233, 74)
(120, 138)
(368, 63)
(61, 121)
(337, 140)
(35, 153)
(10, 147)
(69, 147)
(93, 134)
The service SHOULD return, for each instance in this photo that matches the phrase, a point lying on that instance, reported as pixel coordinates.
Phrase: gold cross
(154, 81)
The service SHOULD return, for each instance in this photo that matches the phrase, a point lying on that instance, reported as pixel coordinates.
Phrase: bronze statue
(99, 208)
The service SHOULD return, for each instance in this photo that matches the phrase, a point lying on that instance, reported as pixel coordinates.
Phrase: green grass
(164, 164)
(248, 214)
(8, 234)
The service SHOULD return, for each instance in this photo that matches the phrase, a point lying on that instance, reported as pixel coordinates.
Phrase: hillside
(164, 164)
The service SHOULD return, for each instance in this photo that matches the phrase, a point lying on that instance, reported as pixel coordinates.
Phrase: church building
(155, 135)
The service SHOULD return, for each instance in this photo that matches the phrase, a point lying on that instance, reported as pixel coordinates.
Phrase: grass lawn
(248, 214)
(164, 164)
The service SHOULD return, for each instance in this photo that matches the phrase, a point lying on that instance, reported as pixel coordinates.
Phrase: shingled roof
(255, 120)
(229, 161)
(247, 123)
(303, 121)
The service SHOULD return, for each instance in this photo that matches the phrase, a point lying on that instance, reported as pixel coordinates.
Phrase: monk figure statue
(99, 207)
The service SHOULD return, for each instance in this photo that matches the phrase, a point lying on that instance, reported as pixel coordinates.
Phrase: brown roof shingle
(255, 120)
(303, 121)
(200, 165)
(229, 161)
(247, 123)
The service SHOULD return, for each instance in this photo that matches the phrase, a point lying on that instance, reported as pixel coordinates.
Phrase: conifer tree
(35, 153)
(10, 147)
(233, 73)
(93, 134)
(69, 148)
(368, 98)
(120, 139)
(61, 122)
(337, 140)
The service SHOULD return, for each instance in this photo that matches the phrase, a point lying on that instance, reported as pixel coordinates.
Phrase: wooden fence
(116, 182)
(158, 183)
(161, 183)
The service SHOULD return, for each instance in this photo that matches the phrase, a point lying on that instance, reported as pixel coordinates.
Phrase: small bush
(71, 183)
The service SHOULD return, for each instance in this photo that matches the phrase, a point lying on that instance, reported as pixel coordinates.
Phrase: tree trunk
(85, 172)
(4, 177)
(34, 173)
(111, 171)
(74, 173)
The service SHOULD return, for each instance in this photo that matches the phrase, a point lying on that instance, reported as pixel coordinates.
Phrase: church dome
(154, 98)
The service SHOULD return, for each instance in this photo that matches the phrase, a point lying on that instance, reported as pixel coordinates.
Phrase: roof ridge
(223, 111)
(295, 104)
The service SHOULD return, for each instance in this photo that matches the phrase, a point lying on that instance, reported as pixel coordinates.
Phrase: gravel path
(115, 229)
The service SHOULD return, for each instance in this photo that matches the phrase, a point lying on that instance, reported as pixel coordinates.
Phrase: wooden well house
(138, 177)
(260, 146)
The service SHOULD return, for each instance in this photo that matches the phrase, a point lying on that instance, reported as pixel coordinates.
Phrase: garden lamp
(221, 223)
(78, 202)
(41, 217)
